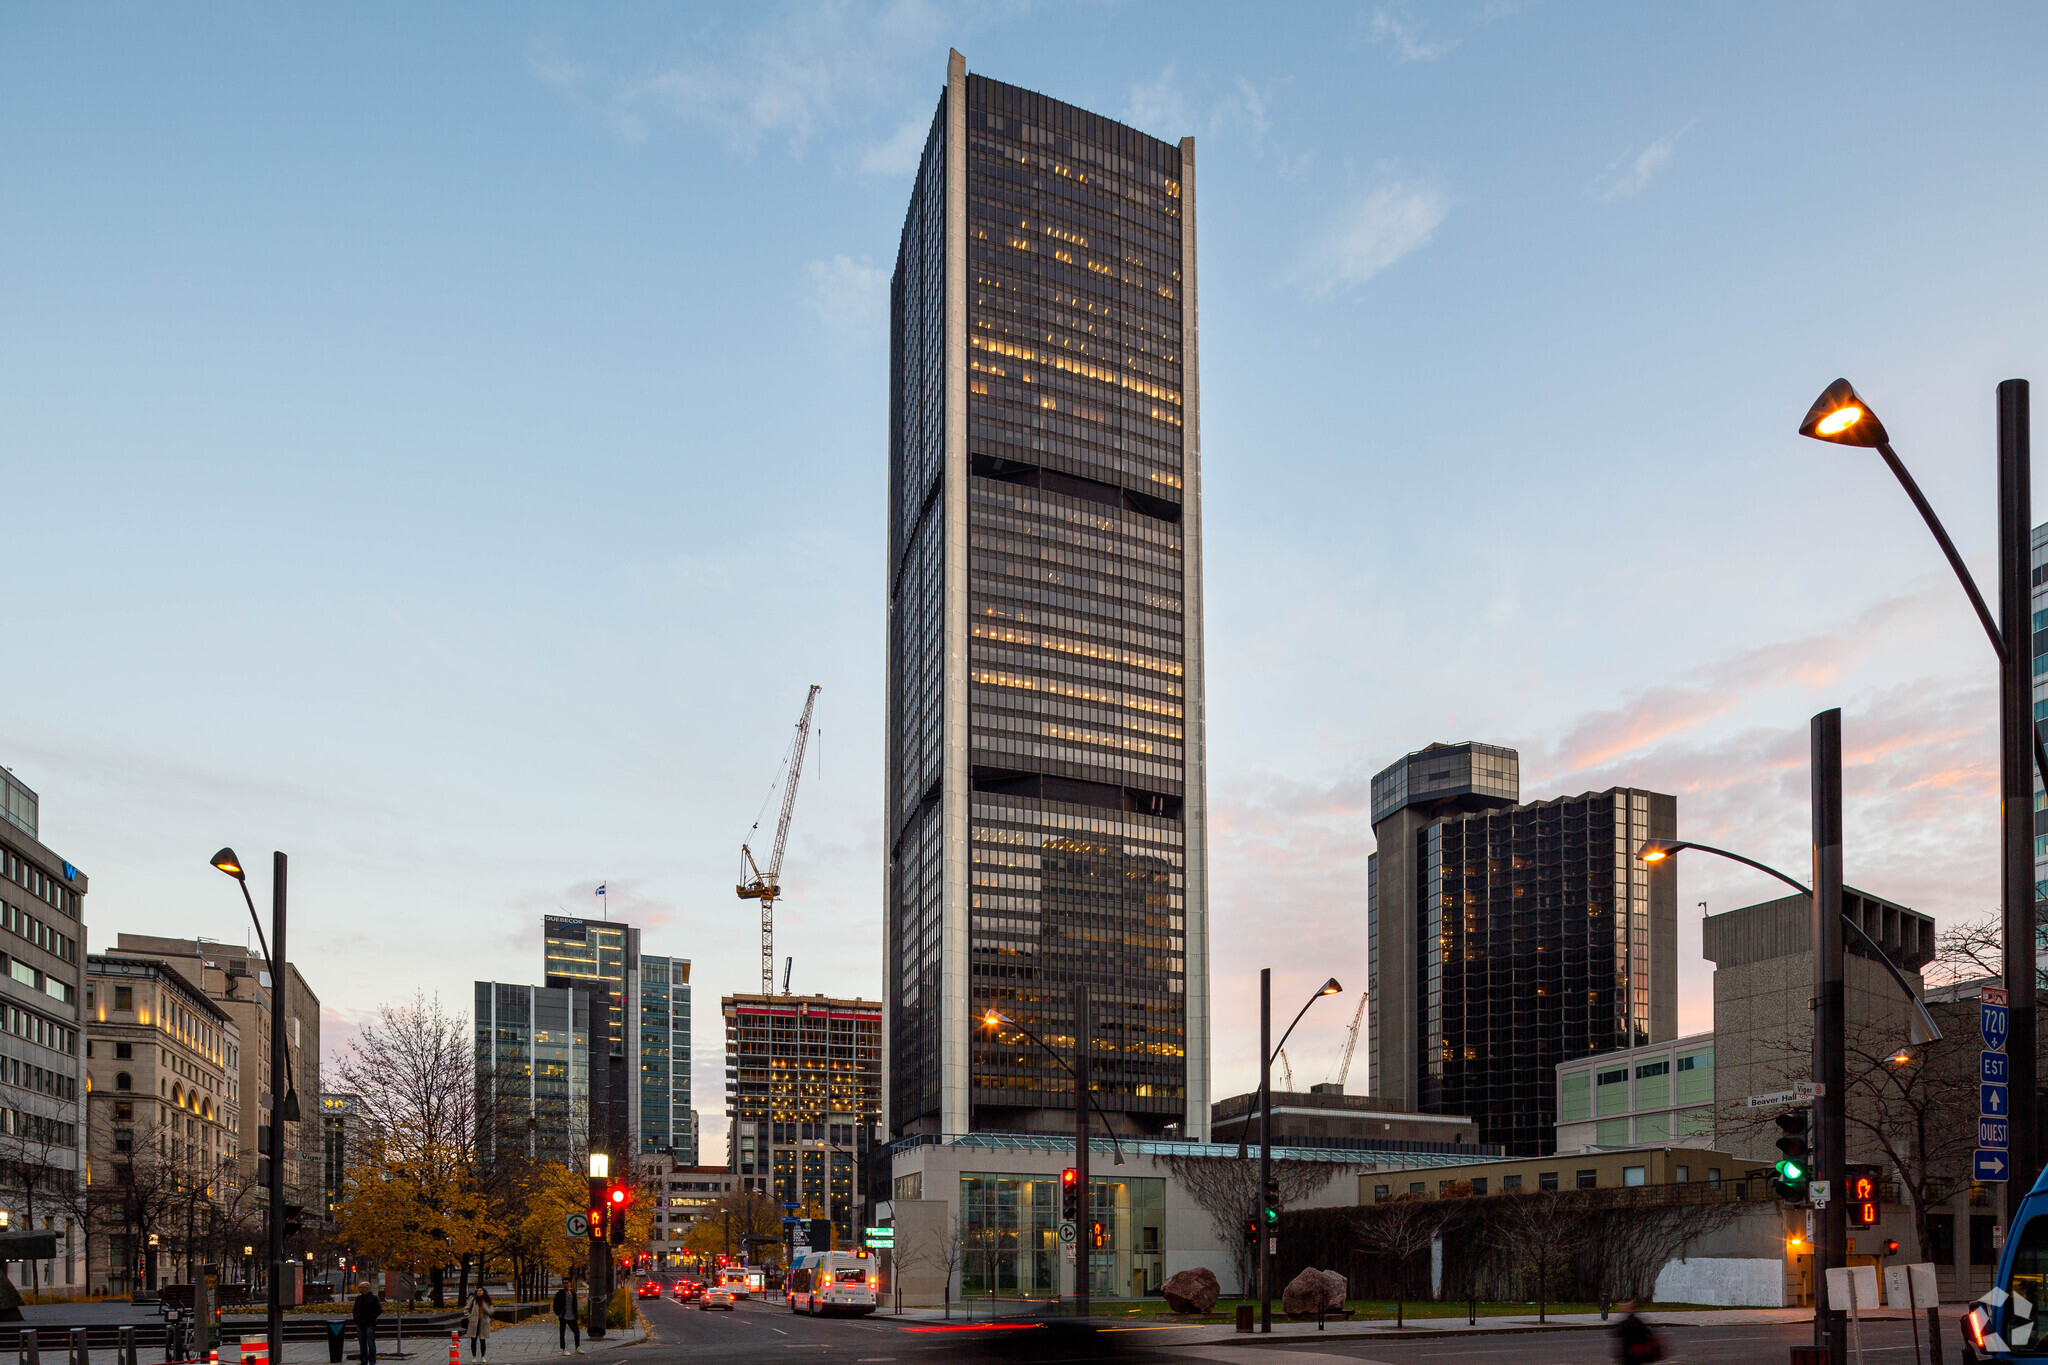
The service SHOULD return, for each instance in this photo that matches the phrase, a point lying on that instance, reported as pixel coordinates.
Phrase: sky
(444, 443)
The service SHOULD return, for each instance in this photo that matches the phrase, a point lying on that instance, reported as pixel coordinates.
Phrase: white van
(831, 1282)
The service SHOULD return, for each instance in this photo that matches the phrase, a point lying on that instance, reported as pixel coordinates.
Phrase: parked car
(718, 1296)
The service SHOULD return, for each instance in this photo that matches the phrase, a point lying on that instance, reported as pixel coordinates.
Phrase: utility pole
(1829, 1066)
(1083, 1246)
(2016, 782)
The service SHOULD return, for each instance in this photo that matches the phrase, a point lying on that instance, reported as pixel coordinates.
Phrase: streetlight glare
(1840, 420)
(227, 862)
(1331, 987)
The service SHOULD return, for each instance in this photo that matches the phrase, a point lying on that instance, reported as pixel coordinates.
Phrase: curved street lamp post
(1267, 1048)
(1841, 416)
(286, 1109)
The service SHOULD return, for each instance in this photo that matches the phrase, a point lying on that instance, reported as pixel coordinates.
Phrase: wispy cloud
(787, 77)
(848, 295)
(1158, 106)
(901, 151)
(1628, 174)
(1375, 231)
(1406, 37)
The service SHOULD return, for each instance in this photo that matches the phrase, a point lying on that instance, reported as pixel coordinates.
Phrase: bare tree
(1400, 1229)
(940, 1255)
(1629, 1235)
(39, 1175)
(1228, 1191)
(1539, 1230)
(1969, 949)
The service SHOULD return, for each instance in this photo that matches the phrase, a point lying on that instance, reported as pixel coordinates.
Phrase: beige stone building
(164, 1128)
(237, 981)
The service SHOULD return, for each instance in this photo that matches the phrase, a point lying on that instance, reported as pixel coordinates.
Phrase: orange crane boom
(765, 884)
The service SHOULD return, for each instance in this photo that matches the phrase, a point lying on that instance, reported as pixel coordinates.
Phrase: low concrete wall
(1724, 1282)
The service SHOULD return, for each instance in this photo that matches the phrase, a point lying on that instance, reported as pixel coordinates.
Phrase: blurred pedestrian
(1635, 1341)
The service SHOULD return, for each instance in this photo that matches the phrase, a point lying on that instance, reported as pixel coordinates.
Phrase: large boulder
(1313, 1291)
(1192, 1291)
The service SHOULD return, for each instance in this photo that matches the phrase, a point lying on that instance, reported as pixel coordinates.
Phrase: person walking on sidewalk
(567, 1323)
(476, 1323)
(1635, 1341)
(366, 1311)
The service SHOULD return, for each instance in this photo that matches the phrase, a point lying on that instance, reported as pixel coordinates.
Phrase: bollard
(81, 1350)
(124, 1351)
(1934, 1335)
(455, 1348)
(31, 1346)
(256, 1350)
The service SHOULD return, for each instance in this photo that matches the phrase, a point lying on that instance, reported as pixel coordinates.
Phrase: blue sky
(444, 444)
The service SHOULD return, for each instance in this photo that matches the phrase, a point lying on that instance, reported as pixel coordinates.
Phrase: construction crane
(1286, 1071)
(1351, 1039)
(765, 884)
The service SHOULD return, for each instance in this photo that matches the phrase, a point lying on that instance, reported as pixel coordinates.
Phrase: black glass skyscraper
(1504, 937)
(1046, 776)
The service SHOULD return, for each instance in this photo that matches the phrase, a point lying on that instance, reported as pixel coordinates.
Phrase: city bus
(2008, 1320)
(822, 1282)
(743, 1281)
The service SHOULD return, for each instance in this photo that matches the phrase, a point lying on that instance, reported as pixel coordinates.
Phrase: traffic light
(1070, 1195)
(616, 1219)
(1792, 1172)
(1251, 1232)
(294, 1219)
(1861, 1187)
(1270, 1214)
(597, 1223)
(1098, 1236)
(1891, 1247)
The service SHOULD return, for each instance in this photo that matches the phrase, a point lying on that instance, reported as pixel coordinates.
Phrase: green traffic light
(1272, 1215)
(1790, 1170)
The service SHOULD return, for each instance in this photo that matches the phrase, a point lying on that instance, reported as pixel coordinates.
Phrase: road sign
(1989, 1166)
(1992, 1068)
(1066, 1234)
(1991, 1101)
(1993, 995)
(576, 1225)
(1992, 1133)
(1818, 1191)
(1993, 1023)
(1772, 1099)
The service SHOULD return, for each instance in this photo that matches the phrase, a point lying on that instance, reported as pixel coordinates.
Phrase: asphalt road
(757, 1331)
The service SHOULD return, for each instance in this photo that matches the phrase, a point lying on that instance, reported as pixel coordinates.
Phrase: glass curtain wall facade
(602, 957)
(1535, 948)
(533, 1048)
(1046, 787)
(1009, 1236)
(667, 1123)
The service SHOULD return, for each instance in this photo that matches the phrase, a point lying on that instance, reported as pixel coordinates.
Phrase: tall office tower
(42, 992)
(602, 957)
(1046, 770)
(2039, 558)
(533, 1073)
(1504, 937)
(803, 1092)
(665, 1116)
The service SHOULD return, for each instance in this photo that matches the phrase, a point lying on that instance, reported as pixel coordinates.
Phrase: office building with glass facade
(803, 1092)
(1504, 938)
(602, 959)
(533, 1065)
(1046, 773)
(667, 1123)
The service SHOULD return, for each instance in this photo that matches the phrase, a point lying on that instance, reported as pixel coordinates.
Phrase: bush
(621, 1312)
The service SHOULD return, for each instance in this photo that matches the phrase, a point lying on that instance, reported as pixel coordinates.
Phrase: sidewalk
(1220, 1334)
(529, 1341)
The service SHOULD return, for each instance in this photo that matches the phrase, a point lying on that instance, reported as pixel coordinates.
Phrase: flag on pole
(600, 888)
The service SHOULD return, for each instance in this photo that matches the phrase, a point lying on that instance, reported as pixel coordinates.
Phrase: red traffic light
(1891, 1248)
(1069, 1177)
(618, 1195)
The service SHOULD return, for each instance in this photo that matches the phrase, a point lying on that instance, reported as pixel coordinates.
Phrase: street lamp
(1841, 416)
(280, 1072)
(995, 1019)
(1266, 1052)
(1921, 1028)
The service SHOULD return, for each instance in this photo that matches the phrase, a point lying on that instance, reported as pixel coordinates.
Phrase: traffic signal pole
(2016, 785)
(1830, 1067)
(1083, 1254)
(1266, 1232)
